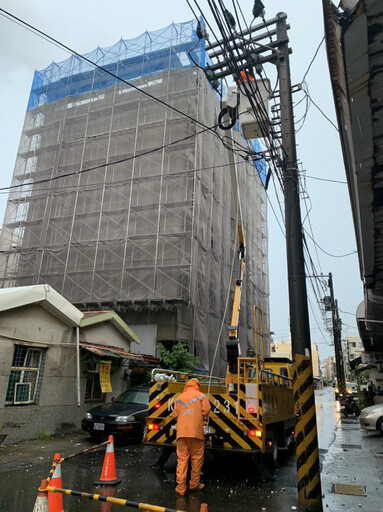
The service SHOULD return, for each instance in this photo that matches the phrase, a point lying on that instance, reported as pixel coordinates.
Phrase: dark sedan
(124, 417)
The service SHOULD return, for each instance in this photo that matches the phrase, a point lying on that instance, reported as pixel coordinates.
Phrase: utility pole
(277, 53)
(337, 331)
(307, 452)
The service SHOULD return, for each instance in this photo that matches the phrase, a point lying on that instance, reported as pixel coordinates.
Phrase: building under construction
(122, 200)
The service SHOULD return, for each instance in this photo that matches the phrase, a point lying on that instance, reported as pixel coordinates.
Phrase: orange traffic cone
(231, 388)
(108, 473)
(55, 499)
(41, 503)
(204, 508)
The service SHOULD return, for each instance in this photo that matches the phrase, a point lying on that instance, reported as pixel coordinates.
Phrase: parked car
(371, 418)
(124, 417)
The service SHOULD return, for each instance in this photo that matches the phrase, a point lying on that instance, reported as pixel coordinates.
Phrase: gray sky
(85, 25)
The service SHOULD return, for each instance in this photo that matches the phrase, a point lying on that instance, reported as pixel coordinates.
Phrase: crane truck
(252, 407)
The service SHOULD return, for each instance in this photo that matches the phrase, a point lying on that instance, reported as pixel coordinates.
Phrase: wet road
(233, 482)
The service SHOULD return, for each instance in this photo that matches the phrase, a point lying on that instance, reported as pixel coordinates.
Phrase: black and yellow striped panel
(342, 387)
(307, 452)
(223, 418)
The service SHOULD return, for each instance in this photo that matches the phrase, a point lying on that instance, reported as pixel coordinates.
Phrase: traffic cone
(108, 473)
(204, 508)
(107, 491)
(231, 388)
(55, 499)
(41, 503)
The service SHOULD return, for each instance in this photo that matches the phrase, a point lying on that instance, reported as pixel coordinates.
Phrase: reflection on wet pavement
(233, 481)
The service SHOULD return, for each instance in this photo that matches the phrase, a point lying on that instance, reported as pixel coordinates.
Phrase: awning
(108, 351)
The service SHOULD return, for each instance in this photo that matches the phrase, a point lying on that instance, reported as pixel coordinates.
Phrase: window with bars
(25, 377)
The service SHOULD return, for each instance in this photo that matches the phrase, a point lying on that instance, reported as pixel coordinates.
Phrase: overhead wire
(316, 289)
(328, 254)
(95, 186)
(262, 118)
(61, 45)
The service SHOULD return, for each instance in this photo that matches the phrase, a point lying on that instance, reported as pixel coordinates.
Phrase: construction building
(122, 200)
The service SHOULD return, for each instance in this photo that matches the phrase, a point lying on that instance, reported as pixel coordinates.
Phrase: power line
(106, 164)
(320, 110)
(328, 254)
(325, 179)
(96, 186)
(312, 60)
(61, 45)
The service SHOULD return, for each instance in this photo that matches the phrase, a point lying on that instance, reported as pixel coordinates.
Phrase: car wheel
(379, 426)
(142, 432)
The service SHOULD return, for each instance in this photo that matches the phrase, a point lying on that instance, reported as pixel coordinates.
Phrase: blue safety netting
(260, 163)
(173, 47)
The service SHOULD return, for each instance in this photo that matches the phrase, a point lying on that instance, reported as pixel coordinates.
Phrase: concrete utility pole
(337, 332)
(307, 452)
(277, 53)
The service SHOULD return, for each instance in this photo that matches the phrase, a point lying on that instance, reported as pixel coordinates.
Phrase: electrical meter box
(249, 119)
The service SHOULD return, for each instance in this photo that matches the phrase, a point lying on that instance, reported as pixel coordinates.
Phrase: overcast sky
(85, 25)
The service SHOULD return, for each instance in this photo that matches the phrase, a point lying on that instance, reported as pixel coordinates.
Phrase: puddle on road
(232, 483)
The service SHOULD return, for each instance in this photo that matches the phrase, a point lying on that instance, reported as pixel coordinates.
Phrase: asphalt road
(234, 483)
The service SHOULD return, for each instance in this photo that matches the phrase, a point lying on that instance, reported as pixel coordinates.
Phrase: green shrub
(178, 358)
(43, 435)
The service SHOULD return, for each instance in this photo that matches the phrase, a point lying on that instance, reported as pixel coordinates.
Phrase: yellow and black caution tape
(307, 452)
(60, 461)
(108, 499)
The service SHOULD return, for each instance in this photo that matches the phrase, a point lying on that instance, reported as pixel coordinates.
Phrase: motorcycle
(348, 406)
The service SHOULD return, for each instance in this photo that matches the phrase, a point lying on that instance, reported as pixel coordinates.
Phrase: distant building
(329, 369)
(283, 348)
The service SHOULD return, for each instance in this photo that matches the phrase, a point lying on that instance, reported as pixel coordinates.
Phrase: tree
(178, 358)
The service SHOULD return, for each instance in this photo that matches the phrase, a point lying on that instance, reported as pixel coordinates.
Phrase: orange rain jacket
(190, 408)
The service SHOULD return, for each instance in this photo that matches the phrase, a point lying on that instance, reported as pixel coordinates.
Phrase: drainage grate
(351, 446)
(353, 490)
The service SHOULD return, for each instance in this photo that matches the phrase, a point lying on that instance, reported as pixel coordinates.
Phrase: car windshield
(135, 396)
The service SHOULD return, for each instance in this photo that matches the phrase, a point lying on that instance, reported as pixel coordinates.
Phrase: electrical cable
(312, 60)
(106, 164)
(325, 179)
(96, 186)
(236, 70)
(328, 254)
(49, 38)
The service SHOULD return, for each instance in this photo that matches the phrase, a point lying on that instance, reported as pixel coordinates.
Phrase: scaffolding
(119, 200)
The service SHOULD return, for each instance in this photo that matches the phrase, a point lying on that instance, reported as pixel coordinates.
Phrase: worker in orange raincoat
(190, 409)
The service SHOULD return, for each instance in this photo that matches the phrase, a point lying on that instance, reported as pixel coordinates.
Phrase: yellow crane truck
(252, 408)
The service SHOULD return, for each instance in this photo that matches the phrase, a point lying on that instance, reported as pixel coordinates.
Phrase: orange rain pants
(189, 447)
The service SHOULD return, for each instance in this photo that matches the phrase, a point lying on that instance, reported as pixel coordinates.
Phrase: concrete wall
(56, 409)
(105, 334)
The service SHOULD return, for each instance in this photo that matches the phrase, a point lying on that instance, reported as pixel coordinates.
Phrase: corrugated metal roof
(106, 350)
